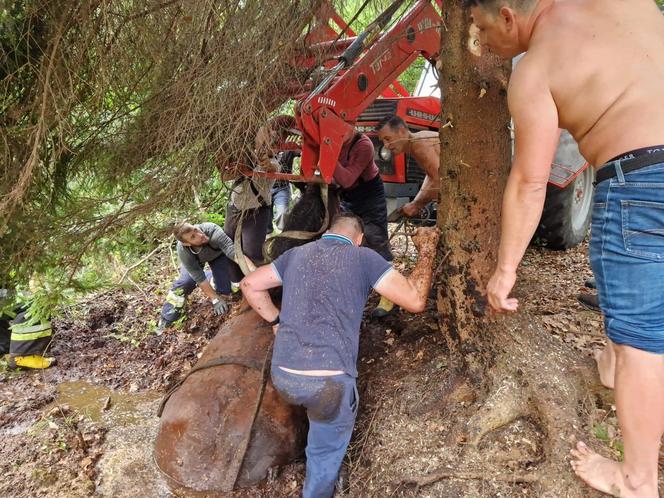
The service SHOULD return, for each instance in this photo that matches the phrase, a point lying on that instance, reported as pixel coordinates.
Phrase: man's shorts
(627, 255)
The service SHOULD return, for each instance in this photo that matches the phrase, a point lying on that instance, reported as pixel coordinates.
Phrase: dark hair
(393, 121)
(352, 218)
(181, 228)
(306, 215)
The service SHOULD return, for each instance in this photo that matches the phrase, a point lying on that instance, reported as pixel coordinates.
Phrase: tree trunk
(518, 369)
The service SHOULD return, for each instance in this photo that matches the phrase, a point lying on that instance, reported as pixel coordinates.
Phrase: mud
(57, 447)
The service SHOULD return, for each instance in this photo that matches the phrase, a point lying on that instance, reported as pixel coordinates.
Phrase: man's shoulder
(363, 142)
(529, 72)
(181, 250)
(208, 227)
(423, 142)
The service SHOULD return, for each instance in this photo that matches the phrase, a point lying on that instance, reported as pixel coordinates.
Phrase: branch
(141, 261)
(486, 475)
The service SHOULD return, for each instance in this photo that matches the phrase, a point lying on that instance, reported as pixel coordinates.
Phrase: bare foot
(606, 366)
(598, 472)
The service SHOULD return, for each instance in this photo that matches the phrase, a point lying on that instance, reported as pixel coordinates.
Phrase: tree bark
(518, 369)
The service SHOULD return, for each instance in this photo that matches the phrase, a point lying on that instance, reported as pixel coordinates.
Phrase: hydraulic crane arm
(327, 115)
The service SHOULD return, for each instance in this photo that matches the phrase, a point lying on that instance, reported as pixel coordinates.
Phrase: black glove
(220, 306)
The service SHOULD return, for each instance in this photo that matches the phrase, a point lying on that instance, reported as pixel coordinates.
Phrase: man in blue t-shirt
(326, 284)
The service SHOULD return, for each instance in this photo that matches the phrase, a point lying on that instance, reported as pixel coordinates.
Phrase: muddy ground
(85, 427)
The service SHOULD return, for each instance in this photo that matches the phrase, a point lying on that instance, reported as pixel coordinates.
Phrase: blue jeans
(185, 285)
(627, 255)
(280, 199)
(331, 404)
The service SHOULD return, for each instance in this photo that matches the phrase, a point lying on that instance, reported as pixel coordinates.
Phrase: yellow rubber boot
(385, 308)
(34, 361)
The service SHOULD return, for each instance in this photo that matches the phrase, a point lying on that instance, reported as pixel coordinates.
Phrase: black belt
(609, 171)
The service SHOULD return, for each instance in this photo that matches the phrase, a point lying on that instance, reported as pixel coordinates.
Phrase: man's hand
(411, 210)
(268, 163)
(498, 290)
(220, 306)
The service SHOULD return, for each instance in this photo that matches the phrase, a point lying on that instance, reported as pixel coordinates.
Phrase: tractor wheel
(566, 216)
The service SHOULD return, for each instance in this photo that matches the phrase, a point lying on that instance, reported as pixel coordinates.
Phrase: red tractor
(359, 87)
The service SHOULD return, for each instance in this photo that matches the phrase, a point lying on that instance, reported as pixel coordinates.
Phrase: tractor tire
(567, 211)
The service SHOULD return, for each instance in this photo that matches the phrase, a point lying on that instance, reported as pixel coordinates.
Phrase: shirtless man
(424, 146)
(595, 67)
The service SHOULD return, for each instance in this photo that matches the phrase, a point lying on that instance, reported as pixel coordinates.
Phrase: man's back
(603, 61)
(425, 148)
(325, 287)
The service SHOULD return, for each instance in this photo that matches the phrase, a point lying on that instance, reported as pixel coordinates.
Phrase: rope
(228, 360)
(236, 464)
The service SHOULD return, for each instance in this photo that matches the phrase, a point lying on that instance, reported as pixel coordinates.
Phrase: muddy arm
(411, 292)
(255, 288)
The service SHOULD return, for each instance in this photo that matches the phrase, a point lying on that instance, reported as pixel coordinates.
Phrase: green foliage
(601, 432)
(115, 119)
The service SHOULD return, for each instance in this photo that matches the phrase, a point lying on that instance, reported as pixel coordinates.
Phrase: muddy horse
(224, 426)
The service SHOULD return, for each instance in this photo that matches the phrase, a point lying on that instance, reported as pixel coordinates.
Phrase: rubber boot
(589, 301)
(34, 361)
(385, 308)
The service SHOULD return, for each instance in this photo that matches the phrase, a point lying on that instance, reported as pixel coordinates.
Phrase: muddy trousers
(185, 285)
(331, 404)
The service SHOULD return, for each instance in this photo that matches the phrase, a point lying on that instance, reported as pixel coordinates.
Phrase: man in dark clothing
(325, 288)
(197, 245)
(363, 194)
(281, 190)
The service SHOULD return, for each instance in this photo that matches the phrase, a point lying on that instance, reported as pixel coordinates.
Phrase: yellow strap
(237, 244)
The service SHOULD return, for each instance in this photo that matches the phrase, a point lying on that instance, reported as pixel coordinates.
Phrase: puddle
(127, 467)
(92, 400)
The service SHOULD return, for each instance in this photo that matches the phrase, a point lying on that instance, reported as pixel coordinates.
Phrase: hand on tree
(411, 210)
(498, 290)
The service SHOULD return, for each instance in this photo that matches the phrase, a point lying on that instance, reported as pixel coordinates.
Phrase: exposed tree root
(534, 377)
(488, 475)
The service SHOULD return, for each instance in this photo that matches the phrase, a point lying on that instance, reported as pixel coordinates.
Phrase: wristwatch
(275, 321)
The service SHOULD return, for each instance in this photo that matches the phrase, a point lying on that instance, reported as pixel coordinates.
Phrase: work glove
(220, 306)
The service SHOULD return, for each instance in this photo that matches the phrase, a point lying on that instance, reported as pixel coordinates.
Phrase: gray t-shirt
(193, 258)
(325, 288)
